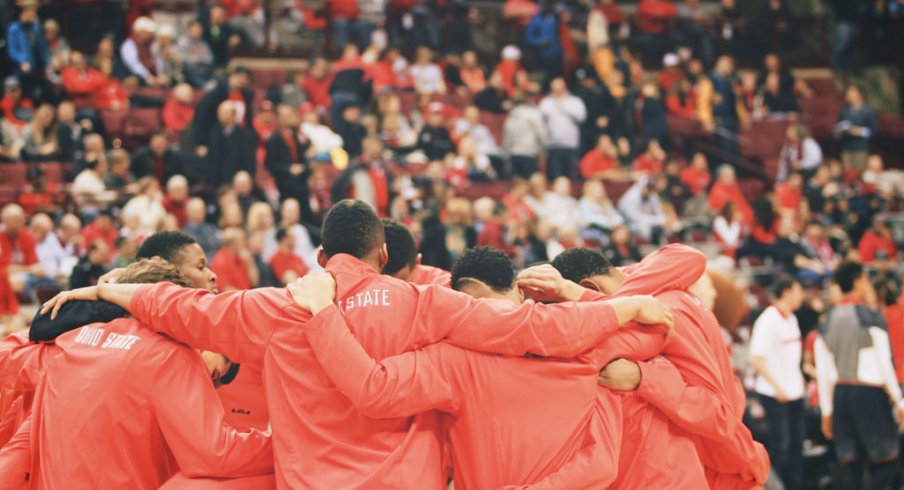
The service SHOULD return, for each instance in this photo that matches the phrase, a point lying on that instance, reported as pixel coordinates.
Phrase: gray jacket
(524, 133)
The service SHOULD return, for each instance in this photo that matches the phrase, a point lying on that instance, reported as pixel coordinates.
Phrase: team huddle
(379, 373)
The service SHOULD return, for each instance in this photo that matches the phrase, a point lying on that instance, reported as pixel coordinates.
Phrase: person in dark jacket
(231, 148)
(221, 37)
(159, 159)
(90, 267)
(233, 88)
(652, 116)
(856, 124)
(28, 51)
(494, 97)
(434, 139)
(285, 160)
(351, 130)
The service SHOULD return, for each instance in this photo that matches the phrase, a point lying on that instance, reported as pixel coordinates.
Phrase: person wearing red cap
(321, 441)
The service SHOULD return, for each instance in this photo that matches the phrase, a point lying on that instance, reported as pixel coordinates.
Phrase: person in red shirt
(233, 263)
(500, 433)
(179, 110)
(102, 228)
(13, 102)
(322, 441)
(316, 84)
(878, 243)
(285, 264)
(655, 16)
(789, 193)
(472, 74)
(727, 189)
(697, 390)
(404, 262)
(601, 162)
(651, 160)
(18, 258)
(509, 67)
(175, 202)
(696, 176)
(175, 420)
(81, 79)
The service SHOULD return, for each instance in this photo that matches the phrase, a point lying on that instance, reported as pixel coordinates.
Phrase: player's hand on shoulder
(651, 311)
(545, 283)
(314, 291)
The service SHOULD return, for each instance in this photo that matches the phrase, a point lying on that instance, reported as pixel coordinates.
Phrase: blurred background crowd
(766, 133)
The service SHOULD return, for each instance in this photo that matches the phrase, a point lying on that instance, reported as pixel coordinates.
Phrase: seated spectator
(197, 57)
(70, 131)
(196, 226)
(286, 265)
(772, 65)
(643, 211)
(88, 189)
(856, 125)
(11, 142)
(524, 137)
(247, 18)
(220, 36)
(148, 204)
(57, 44)
(40, 136)
(426, 75)
(49, 251)
(286, 161)
(598, 212)
(816, 245)
(169, 60)
(126, 251)
(727, 229)
(17, 109)
(18, 253)
(621, 251)
(392, 72)
(91, 266)
(351, 130)
(727, 189)
(888, 182)
(601, 163)
(671, 73)
(112, 95)
(70, 235)
(651, 161)
(316, 84)
(472, 73)
(119, 177)
(80, 79)
(365, 178)
(789, 193)
(878, 243)
(434, 139)
(291, 93)
(776, 102)
(470, 164)
(395, 129)
(231, 148)
(801, 152)
(179, 110)
(158, 159)
(247, 195)
(696, 175)
(233, 263)
(137, 53)
(681, 100)
(290, 216)
(176, 200)
(493, 98)
(235, 90)
(469, 125)
(321, 137)
(764, 232)
(652, 114)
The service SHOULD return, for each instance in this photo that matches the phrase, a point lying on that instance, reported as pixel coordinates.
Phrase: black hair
(400, 244)
(578, 264)
(782, 284)
(485, 264)
(351, 227)
(164, 244)
(281, 234)
(847, 274)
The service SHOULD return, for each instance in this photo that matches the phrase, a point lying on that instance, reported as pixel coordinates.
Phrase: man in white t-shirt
(775, 354)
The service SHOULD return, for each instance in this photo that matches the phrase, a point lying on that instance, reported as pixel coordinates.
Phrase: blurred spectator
(351, 82)
(91, 266)
(286, 265)
(234, 89)
(563, 113)
(434, 139)
(652, 115)
(597, 211)
(470, 164)
(40, 136)
(856, 125)
(788, 83)
(321, 137)
(728, 112)
(49, 251)
(27, 50)
(176, 199)
(621, 251)
(888, 182)
(10, 141)
(469, 125)
(158, 159)
(347, 24)
(88, 189)
(601, 162)
(286, 160)
(777, 26)
(727, 189)
(220, 36)
(206, 234)
(148, 205)
(290, 215)
(512, 74)
(69, 132)
(126, 250)
(801, 152)
(231, 147)
(316, 84)
(351, 130)
(596, 99)
(654, 22)
(137, 53)
(427, 76)
(169, 60)
(644, 211)
(727, 229)
(524, 137)
(778, 102)
(119, 178)
(247, 195)
(18, 110)
(233, 263)
(775, 354)
(179, 110)
(197, 57)
(247, 18)
(788, 194)
(57, 45)
(365, 178)
(291, 93)
(18, 254)
(878, 243)
(494, 97)
(651, 161)
(816, 245)
(696, 175)
(472, 73)
(542, 36)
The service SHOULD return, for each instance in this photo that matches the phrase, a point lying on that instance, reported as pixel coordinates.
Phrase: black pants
(786, 439)
(866, 436)
(562, 162)
(524, 166)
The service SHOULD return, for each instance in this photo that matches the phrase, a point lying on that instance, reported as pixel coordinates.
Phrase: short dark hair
(281, 234)
(847, 274)
(487, 265)
(164, 244)
(401, 247)
(782, 284)
(351, 227)
(578, 264)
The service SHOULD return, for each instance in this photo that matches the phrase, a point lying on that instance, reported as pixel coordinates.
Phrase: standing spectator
(347, 24)
(351, 130)
(232, 148)
(542, 36)
(158, 159)
(801, 152)
(524, 137)
(247, 18)
(563, 114)
(856, 125)
(41, 136)
(28, 51)
(494, 98)
(652, 115)
(727, 110)
(197, 57)
(434, 139)
(233, 263)
(286, 265)
(137, 53)
(426, 75)
(206, 234)
(775, 354)
(234, 89)
(286, 162)
(57, 45)
(169, 60)
(644, 212)
(179, 110)
(220, 36)
(92, 266)
(17, 109)
(857, 385)
(596, 99)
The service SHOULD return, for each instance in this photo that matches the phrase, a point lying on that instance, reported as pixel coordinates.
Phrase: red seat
(13, 174)
(113, 122)
(55, 171)
(142, 122)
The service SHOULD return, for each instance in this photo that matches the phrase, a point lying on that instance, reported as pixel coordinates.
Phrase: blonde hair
(256, 215)
(150, 271)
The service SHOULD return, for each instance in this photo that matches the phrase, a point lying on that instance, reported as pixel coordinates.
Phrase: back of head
(151, 271)
(351, 227)
(165, 244)
(847, 274)
(577, 264)
(487, 265)
(400, 243)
